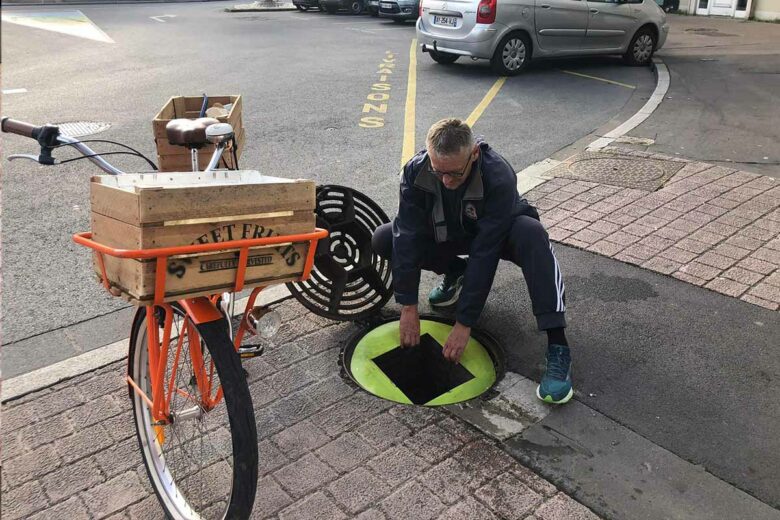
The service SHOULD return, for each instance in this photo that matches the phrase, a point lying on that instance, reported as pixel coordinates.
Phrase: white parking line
(159, 18)
(14, 91)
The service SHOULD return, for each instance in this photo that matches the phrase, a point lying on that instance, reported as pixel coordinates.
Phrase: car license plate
(449, 21)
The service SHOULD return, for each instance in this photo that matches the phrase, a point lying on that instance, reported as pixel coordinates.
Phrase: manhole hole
(82, 128)
(619, 170)
(421, 375)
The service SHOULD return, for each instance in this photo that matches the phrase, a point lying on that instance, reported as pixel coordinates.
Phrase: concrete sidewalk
(326, 449)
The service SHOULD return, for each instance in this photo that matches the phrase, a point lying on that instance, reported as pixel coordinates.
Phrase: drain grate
(619, 170)
(82, 128)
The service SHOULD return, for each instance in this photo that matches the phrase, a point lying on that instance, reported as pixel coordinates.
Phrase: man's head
(452, 151)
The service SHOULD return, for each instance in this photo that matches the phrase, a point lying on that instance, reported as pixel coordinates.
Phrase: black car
(399, 10)
(353, 6)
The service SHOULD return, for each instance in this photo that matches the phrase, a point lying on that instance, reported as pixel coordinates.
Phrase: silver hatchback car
(510, 32)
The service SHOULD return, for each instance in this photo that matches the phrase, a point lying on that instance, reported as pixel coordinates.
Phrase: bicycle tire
(237, 404)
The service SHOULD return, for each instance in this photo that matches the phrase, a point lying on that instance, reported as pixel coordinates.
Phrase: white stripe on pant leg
(557, 280)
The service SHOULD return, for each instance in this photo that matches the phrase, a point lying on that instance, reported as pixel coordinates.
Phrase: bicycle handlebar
(13, 126)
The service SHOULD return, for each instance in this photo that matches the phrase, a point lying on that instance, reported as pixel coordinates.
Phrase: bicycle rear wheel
(203, 463)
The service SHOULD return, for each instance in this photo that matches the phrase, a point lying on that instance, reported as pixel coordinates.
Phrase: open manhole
(421, 375)
(619, 170)
(82, 128)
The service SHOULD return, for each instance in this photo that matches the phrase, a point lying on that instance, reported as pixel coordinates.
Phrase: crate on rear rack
(173, 158)
(156, 210)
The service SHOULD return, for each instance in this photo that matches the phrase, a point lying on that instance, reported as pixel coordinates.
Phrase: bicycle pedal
(250, 351)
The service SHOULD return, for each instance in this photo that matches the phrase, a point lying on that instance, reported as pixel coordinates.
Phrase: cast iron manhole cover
(82, 128)
(619, 170)
(421, 375)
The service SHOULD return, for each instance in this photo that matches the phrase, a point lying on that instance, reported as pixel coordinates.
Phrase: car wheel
(512, 54)
(356, 7)
(642, 47)
(444, 58)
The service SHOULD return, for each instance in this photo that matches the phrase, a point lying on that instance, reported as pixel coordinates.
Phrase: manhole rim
(487, 340)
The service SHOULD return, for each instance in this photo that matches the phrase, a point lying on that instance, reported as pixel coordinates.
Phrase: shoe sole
(548, 398)
(449, 302)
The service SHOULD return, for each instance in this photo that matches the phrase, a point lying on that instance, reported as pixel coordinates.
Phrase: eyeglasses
(454, 175)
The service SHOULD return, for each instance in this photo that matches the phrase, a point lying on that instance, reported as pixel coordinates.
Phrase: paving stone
(606, 248)
(121, 426)
(322, 365)
(622, 238)
(24, 500)
(264, 392)
(357, 490)
(725, 203)
(415, 417)
(604, 227)
(718, 228)
(712, 210)
(267, 422)
(706, 237)
(397, 465)
(698, 217)
(766, 291)
(16, 417)
(588, 236)
(346, 452)
(689, 278)
(70, 479)
(758, 233)
(315, 506)
(770, 256)
(561, 507)
(300, 438)
(684, 225)
(450, 481)
(556, 233)
(714, 259)
(484, 459)
(574, 205)
(670, 233)
(624, 257)
(102, 384)
(509, 497)
(756, 265)
(726, 286)
(433, 443)
(575, 243)
(534, 481)
(304, 475)
(412, 501)
(662, 265)
(468, 509)
(639, 251)
(29, 466)
(95, 411)
(292, 409)
(84, 442)
(256, 368)
(383, 431)
(774, 278)
(71, 509)
(733, 220)
(701, 271)
(283, 355)
(734, 252)
(371, 514)
(270, 457)
(694, 246)
(772, 306)
(290, 379)
(270, 498)
(147, 508)
(45, 431)
(460, 429)
(621, 219)
(331, 390)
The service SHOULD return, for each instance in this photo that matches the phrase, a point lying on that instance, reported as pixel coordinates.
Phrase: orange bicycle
(191, 403)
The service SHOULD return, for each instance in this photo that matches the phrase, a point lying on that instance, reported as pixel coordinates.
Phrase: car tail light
(486, 12)
(419, 13)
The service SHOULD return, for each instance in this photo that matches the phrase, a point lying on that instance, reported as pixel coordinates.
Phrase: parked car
(332, 6)
(512, 32)
(373, 7)
(399, 10)
(305, 5)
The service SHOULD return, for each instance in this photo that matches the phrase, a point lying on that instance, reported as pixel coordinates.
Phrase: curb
(36, 380)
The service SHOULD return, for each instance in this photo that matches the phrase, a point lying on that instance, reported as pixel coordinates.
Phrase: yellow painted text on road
(379, 96)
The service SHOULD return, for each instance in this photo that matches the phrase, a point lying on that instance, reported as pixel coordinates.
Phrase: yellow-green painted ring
(483, 358)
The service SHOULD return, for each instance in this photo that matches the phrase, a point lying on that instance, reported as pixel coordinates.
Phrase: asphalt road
(304, 78)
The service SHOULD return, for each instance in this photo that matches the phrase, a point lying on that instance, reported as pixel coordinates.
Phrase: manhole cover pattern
(82, 128)
(619, 170)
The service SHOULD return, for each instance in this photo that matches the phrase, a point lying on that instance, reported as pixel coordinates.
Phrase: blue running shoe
(555, 387)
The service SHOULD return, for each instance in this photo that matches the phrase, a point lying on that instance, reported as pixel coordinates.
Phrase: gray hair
(449, 137)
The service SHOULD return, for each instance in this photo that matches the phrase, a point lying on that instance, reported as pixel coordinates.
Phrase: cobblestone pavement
(326, 449)
(711, 226)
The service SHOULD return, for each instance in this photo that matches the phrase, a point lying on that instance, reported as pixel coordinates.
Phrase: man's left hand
(456, 342)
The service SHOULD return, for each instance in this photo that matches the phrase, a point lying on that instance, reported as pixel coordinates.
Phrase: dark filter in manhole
(422, 373)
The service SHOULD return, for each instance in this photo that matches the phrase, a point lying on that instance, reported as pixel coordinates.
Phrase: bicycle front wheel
(201, 458)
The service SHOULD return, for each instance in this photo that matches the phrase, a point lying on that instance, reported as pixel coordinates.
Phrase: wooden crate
(172, 158)
(153, 210)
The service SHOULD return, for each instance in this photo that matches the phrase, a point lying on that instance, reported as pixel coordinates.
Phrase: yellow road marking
(409, 116)
(598, 79)
(477, 112)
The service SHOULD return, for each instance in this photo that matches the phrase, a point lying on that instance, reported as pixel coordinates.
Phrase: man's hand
(456, 342)
(410, 326)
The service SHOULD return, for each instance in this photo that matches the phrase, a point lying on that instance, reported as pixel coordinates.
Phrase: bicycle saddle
(189, 132)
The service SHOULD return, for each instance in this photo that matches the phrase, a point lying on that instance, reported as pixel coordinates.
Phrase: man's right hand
(410, 326)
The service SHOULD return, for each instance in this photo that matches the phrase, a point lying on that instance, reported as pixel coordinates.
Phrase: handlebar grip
(20, 128)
